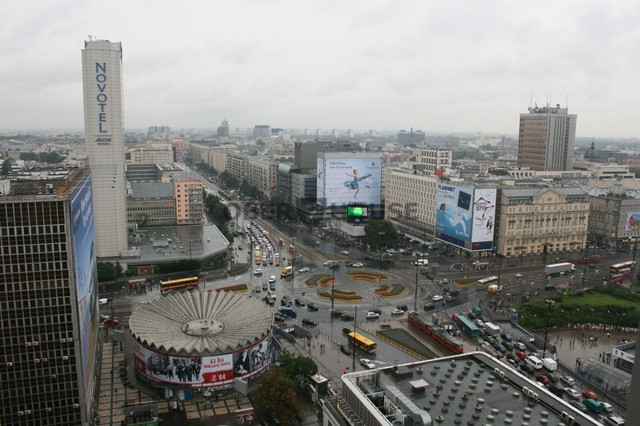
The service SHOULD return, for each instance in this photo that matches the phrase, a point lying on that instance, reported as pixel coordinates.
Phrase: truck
(550, 364)
(492, 329)
(288, 270)
(559, 268)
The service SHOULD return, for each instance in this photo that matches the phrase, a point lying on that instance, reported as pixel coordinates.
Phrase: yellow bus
(179, 284)
(362, 343)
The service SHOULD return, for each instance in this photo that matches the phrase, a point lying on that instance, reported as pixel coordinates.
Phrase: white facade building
(104, 142)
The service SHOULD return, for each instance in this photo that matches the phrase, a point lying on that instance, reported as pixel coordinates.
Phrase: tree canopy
(277, 396)
(297, 367)
(380, 234)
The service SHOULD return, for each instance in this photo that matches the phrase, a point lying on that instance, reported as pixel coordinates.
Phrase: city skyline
(436, 67)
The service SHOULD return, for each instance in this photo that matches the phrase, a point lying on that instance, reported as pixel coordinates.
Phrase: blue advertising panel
(453, 214)
(85, 270)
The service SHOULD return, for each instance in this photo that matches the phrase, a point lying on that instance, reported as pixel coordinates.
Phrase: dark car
(347, 317)
(309, 321)
(557, 390)
(278, 317)
(506, 336)
(507, 345)
(403, 307)
(552, 377)
(299, 302)
(268, 301)
(346, 330)
(345, 349)
(526, 368)
(336, 314)
(312, 307)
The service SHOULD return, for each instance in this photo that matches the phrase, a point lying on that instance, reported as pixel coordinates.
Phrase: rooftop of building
(470, 389)
(160, 244)
(141, 190)
(202, 323)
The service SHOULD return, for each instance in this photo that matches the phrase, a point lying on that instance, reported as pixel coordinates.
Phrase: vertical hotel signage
(103, 137)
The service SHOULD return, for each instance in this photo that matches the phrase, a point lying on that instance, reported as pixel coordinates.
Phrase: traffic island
(341, 296)
(322, 280)
(390, 291)
(367, 276)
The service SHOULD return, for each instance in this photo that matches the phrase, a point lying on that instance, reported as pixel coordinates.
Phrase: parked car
(335, 314)
(328, 263)
(572, 393)
(278, 317)
(518, 275)
(309, 321)
(312, 307)
(367, 363)
(345, 349)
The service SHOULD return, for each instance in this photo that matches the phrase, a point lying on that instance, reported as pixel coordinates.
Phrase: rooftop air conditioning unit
(76, 405)
(28, 344)
(65, 358)
(21, 413)
(27, 411)
(9, 364)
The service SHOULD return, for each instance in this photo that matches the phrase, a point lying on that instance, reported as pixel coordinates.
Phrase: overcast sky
(438, 66)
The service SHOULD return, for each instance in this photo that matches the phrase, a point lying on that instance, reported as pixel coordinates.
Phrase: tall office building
(48, 303)
(546, 138)
(104, 142)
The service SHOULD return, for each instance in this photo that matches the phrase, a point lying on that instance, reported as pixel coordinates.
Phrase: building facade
(615, 214)
(189, 202)
(542, 220)
(153, 155)
(410, 202)
(104, 143)
(435, 158)
(151, 204)
(48, 304)
(546, 138)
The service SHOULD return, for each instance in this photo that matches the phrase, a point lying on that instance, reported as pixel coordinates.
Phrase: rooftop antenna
(567, 102)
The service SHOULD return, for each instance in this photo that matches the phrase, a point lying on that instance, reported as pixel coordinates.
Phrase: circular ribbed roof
(201, 322)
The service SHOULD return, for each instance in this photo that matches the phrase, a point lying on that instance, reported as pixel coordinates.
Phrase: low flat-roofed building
(469, 389)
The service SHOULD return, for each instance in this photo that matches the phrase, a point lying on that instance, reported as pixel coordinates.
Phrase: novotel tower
(104, 142)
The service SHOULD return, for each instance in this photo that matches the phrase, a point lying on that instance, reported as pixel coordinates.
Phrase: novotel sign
(102, 98)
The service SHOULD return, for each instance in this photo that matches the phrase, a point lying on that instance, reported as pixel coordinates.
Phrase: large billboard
(484, 214)
(202, 371)
(84, 249)
(344, 181)
(454, 214)
(632, 223)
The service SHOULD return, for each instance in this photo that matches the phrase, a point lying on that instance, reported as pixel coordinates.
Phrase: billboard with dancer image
(454, 213)
(344, 181)
(484, 213)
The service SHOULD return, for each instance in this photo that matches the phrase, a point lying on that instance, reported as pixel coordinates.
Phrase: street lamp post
(355, 326)
(293, 267)
(415, 296)
(549, 302)
(333, 281)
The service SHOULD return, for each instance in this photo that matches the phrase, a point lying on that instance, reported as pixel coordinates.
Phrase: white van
(614, 421)
(103, 301)
(535, 362)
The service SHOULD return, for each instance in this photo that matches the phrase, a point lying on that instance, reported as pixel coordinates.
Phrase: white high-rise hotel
(104, 142)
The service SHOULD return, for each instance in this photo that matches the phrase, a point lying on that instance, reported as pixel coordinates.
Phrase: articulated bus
(362, 343)
(179, 284)
(487, 280)
(619, 268)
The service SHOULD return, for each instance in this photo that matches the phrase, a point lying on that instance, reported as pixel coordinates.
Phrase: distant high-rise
(546, 138)
(104, 142)
(223, 129)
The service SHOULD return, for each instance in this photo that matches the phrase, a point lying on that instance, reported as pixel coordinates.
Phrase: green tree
(635, 171)
(142, 218)
(277, 396)
(108, 271)
(260, 142)
(380, 234)
(297, 367)
(29, 156)
(6, 166)
(50, 157)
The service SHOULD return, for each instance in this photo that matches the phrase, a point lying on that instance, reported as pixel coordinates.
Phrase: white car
(367, 363)
(436, 298)
(518, 275)
(257, 272)
(305, 269)
(397, 312)
(344, 252)
(373, 315)
(272, 279)
(357, 265)
(572, 393)
(607, 407)
(328, 263)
